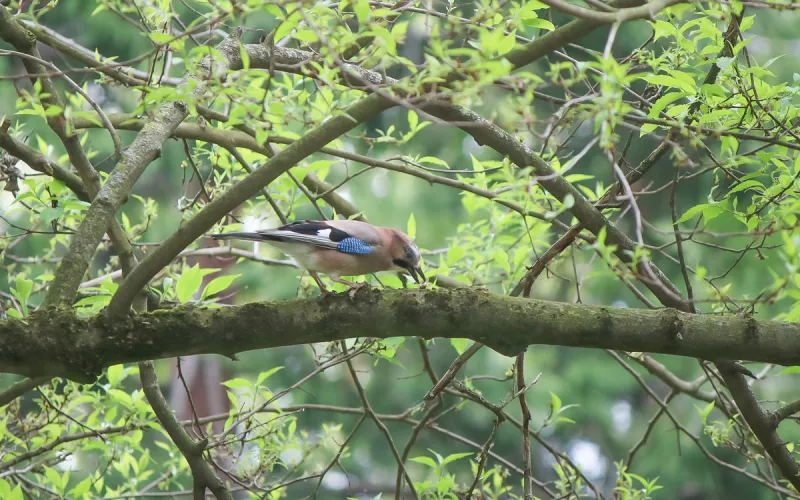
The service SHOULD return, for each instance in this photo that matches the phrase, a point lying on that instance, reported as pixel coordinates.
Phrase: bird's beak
(417, 273)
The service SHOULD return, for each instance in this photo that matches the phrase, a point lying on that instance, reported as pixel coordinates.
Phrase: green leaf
(245, 57)
(285, 28)
(160, 38)
(705, 411)
(507, 43)
(5, 488)
(56, 187)
(746, 185)
(77, 205)
(319, 167)
(15, 494)
(555, 402)
(501, 258)
(81, 488)
(455, 254)
(724, 62)
(460, 345)
(237, 383)
(361, 8)
(94, 300)
(308, 36)
(6, 493)
(663, 102)
(218, 284)
(709, 211)
(425, 461)
(188, 283)
(54, 477)
(115, 374)
(739, 46)
(22, 292)
(476, 163)
(412, 226)
(263, 376)
(434, 160)
(121, 397)
(454, 457)
(791, 370)
(539, 23)
(24, 287)
(50, 214)
(572, 178)
(413, 120)
(669, 81)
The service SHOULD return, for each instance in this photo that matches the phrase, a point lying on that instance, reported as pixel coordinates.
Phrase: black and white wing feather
(310, 232)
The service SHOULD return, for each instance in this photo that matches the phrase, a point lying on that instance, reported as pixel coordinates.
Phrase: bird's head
(406, 257)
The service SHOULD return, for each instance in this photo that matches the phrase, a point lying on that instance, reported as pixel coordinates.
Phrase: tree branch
(647, 11)
(237, 194)
(760, 423)
(144, 149)
(40, 162)
(19, 389)
(204, 476)
(57, 343)
(25, 42)
(785, 412)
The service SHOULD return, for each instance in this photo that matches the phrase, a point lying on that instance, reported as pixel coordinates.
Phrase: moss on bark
(57, 343)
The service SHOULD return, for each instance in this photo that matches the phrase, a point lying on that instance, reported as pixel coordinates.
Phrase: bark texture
(57, 343)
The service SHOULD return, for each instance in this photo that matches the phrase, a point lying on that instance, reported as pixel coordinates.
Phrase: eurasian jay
(341, 248)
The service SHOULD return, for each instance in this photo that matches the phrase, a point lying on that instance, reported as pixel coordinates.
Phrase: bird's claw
(355, 287)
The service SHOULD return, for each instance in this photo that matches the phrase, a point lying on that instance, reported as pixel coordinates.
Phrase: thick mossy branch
(56, 343)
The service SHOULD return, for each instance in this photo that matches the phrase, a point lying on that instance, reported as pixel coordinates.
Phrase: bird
(340, 248)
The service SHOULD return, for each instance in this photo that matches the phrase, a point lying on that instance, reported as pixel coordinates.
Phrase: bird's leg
(354, 287)
(321, 286)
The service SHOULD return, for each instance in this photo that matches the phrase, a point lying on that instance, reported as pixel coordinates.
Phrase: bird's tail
(244, 236)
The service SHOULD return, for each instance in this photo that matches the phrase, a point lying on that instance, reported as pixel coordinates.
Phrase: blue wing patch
(355, 246)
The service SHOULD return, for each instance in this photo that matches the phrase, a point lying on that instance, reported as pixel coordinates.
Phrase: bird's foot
(355, 287)
(325, 292)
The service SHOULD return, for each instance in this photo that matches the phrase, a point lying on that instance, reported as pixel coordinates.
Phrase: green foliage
(634, 487)
(442, 484)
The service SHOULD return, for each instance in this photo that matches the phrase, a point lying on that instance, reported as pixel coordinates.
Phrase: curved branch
(204, 476)
(19, 389)
(348, 119)
(39, 162)
(785, 412)
(144, 149)
(646, 11)
(235, 138)
(24, 41)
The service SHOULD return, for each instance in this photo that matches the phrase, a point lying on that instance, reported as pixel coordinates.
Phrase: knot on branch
(750, 328)
(9, 173)
(198, 447)
(229, 47)
(673, 324)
